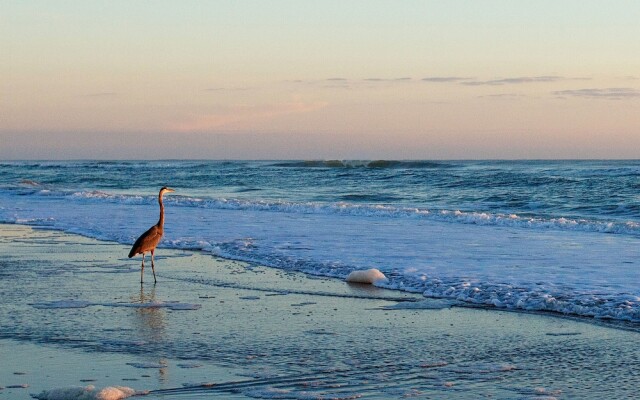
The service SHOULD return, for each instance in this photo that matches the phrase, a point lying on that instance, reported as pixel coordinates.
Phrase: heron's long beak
(170, 190)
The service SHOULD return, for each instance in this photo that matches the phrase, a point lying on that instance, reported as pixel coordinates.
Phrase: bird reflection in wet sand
(149, 318)
(148, 241)
(150, 323)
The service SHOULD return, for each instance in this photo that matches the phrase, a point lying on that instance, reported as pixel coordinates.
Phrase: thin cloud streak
(349, 81)
(517, 80)
(405, 79)
(444, 79)
(225, 89)
(502, 96)
(604, 93)
(339, 82)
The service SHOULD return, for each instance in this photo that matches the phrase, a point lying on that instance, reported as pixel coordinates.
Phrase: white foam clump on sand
(86, 393)
(366, 276)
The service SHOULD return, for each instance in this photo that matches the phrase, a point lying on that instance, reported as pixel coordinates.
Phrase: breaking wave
(368, 210)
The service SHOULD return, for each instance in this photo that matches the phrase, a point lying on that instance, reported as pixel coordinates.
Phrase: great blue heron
(150, 239)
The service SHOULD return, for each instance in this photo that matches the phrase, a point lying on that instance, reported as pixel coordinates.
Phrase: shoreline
(255, 332)
(396, 294)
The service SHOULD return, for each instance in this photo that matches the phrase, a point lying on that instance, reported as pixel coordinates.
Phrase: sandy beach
(74, 314)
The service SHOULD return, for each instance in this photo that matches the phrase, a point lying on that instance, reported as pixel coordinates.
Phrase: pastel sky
(296, 79)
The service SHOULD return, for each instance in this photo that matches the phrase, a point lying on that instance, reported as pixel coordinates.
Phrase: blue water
(559, 236)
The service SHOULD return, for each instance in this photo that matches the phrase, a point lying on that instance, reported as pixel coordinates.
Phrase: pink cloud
(243, 116)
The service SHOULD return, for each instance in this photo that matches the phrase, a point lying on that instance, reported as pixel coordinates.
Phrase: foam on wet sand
(86, 393)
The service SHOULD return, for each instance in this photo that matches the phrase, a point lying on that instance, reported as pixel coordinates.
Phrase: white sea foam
(540, 298)
(86, 393)
(35, 221)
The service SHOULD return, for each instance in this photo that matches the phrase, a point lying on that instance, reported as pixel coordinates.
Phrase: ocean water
(558, 236)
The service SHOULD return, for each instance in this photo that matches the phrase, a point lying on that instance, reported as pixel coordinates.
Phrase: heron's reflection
(150, 321)
(150, 324)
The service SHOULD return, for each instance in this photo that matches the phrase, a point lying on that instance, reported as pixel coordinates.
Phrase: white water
(353, 209)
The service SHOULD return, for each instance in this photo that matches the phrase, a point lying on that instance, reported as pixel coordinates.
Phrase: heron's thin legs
(142, 270)
(153, 268)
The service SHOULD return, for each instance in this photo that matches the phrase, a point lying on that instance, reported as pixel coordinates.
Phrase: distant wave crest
(382, 164)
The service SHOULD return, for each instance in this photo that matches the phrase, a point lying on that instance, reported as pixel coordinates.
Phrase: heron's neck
(161, 220)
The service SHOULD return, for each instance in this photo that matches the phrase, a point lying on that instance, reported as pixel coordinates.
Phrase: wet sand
(74, 314)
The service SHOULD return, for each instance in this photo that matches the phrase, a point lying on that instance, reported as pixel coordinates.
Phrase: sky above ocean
(332, 79)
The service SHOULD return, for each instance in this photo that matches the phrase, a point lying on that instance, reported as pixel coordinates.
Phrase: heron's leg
(153, 268)
(142, 270)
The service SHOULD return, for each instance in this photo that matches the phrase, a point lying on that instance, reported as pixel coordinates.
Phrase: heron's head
(165, 190)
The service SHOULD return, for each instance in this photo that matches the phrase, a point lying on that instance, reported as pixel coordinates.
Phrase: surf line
(227, 285)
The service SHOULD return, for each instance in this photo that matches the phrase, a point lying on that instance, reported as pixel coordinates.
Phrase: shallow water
(74, 313)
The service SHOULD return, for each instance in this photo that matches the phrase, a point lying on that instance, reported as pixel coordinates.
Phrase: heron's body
(148, 241)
